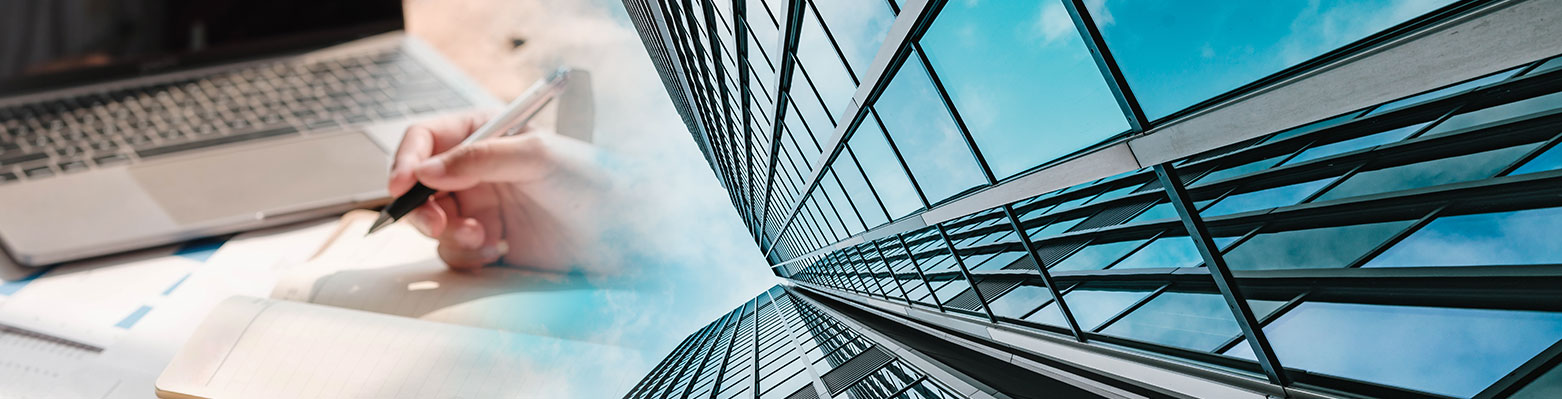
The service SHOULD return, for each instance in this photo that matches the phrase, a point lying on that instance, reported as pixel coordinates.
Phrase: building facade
(1145, 199)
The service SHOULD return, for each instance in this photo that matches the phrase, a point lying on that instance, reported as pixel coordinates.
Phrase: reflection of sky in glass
(1311, 248)
(861, 195)
(1449, 351)
(1177, 53)
(847, 211)
(1163, 210)
(1091, 306)
(804, 101)
(824, 66)
(1053, 229)
(1517, 109)
(1022, 79)
(1554, 64)
(1169, 251)
(1096, 256)
(1547, 386)
(1267, 198)
(1358, 143)
(1022, 299)
(926, 135)
(884, 172)
(1475, 166)
(1549, 160)
(1312, 127)
(859, 28)
(1238, 170)
(1186, 320)
(1443, 92)
(1504, 238)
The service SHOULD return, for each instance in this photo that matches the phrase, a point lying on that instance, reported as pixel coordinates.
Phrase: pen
(514, 117)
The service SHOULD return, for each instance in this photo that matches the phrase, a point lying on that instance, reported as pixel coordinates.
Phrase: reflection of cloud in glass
(1310, 248)
(1188, 320)
(1505, 238)
(1090, 306)
(883, 170)
(1475, 166)
(1449, 351)
(926, 135)
(859, 27)
(1175, 54)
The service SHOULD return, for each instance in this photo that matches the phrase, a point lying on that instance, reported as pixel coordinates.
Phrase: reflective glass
(883, 169)
(1096, 256)
(1266, 198)
(1358, 143)
(1160, 211)
(825, 70)
(926, 135)
(1312, 127)
(844, 207)
(1054, 228)
(1176, 54)
(1554, 64)
(1311, 248)
(859, 28)
(1549, 160)
(1091, 306)
(1167, 251)
(1505, 238)
(812, 112)
(1025, 86)
(1547, 386)
(1187, 320)
(1475, 166)
(1444, 92)
(1501, 113)
(861, 195)
(1449, 351)
(1238, 170)
(1019, 300)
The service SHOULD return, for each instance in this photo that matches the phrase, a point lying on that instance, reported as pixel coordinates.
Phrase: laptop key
(21, 158)
(39, 172)
(216, 141)
(7, 177)
(73, 166)
(110, 159)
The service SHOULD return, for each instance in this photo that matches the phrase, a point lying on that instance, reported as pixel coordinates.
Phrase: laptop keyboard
(281, 99)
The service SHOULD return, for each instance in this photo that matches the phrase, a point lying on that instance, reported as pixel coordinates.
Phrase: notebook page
(296, 350)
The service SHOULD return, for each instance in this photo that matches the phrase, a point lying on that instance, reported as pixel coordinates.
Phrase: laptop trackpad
(312, 172)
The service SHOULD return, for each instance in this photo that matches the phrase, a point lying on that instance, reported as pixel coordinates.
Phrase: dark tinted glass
(1196, 321)
(926, 135)
(1311, 248)
(1504, 238)
(1447, 351)
(1027, 89)
(1176, 54)
(1475, 166)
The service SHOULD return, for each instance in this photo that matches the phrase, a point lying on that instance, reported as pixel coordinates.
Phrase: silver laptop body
(270, 164)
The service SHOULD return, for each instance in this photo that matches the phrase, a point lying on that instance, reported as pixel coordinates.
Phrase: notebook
(379, 317)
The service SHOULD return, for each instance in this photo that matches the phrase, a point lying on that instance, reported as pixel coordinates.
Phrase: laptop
(134, 123)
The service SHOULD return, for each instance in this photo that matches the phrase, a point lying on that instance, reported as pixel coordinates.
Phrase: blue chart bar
(11, 287)
(134, 317)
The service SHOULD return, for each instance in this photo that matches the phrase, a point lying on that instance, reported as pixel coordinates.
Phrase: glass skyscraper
(1125, 198)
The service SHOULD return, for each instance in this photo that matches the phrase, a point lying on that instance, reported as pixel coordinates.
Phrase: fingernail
(492, 251)
(432, 167)
(469, 236)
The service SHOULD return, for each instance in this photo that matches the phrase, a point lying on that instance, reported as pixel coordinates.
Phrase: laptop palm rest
(293, 175)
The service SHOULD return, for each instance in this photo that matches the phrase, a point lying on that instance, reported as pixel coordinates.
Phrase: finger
(482, 203)
(505, 159)
(423, 140)
(429, 219)
(461, 246)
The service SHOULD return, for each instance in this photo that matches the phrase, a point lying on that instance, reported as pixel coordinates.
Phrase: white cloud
(1053, 22)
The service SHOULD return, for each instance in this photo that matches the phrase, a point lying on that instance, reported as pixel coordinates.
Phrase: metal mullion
(1135, 306)
(726, 359)
(1265, 320)
(857, 253)
(1136, 249)
(902, 160)
(1525, 374)
(869, 182)
(1107, 64)
(954, 253)
(949, 104)
(893, 275)
(1397, 237)
(1224, 280)
(912, 258)
(689, 390)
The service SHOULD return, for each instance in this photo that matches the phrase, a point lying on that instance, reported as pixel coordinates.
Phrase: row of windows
(763, 338)
(1461, 176)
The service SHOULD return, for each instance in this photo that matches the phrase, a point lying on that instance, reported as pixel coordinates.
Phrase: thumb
(504, 159)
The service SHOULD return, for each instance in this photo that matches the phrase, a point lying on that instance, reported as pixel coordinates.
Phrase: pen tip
(381, 222)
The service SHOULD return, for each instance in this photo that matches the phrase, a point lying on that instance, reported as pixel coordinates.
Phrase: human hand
(515, 199)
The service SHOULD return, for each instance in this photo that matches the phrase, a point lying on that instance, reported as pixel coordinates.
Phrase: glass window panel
(1449, 351)
(1311, 248)
(1160, 211)
(926, 135)
(1054, 228)
(1091, 306)
(1110, 195)
(884, 170)
(1549, 160)
(1504, 238)
(1176, 54)
(859, 28)
(1554, 64)
(1475, 166)
(1312, 127)
(1020, 300)
(1167, 251)
(1547, 386)
(845, 208)
(1266, 198)
(1501, 113)
(1187, 320)
(1238, 170)
(1444, 92)
(1096, 256)
(856, 187)
(1358, 143)
(1027, 89)
(825, 70)
(804, 101)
